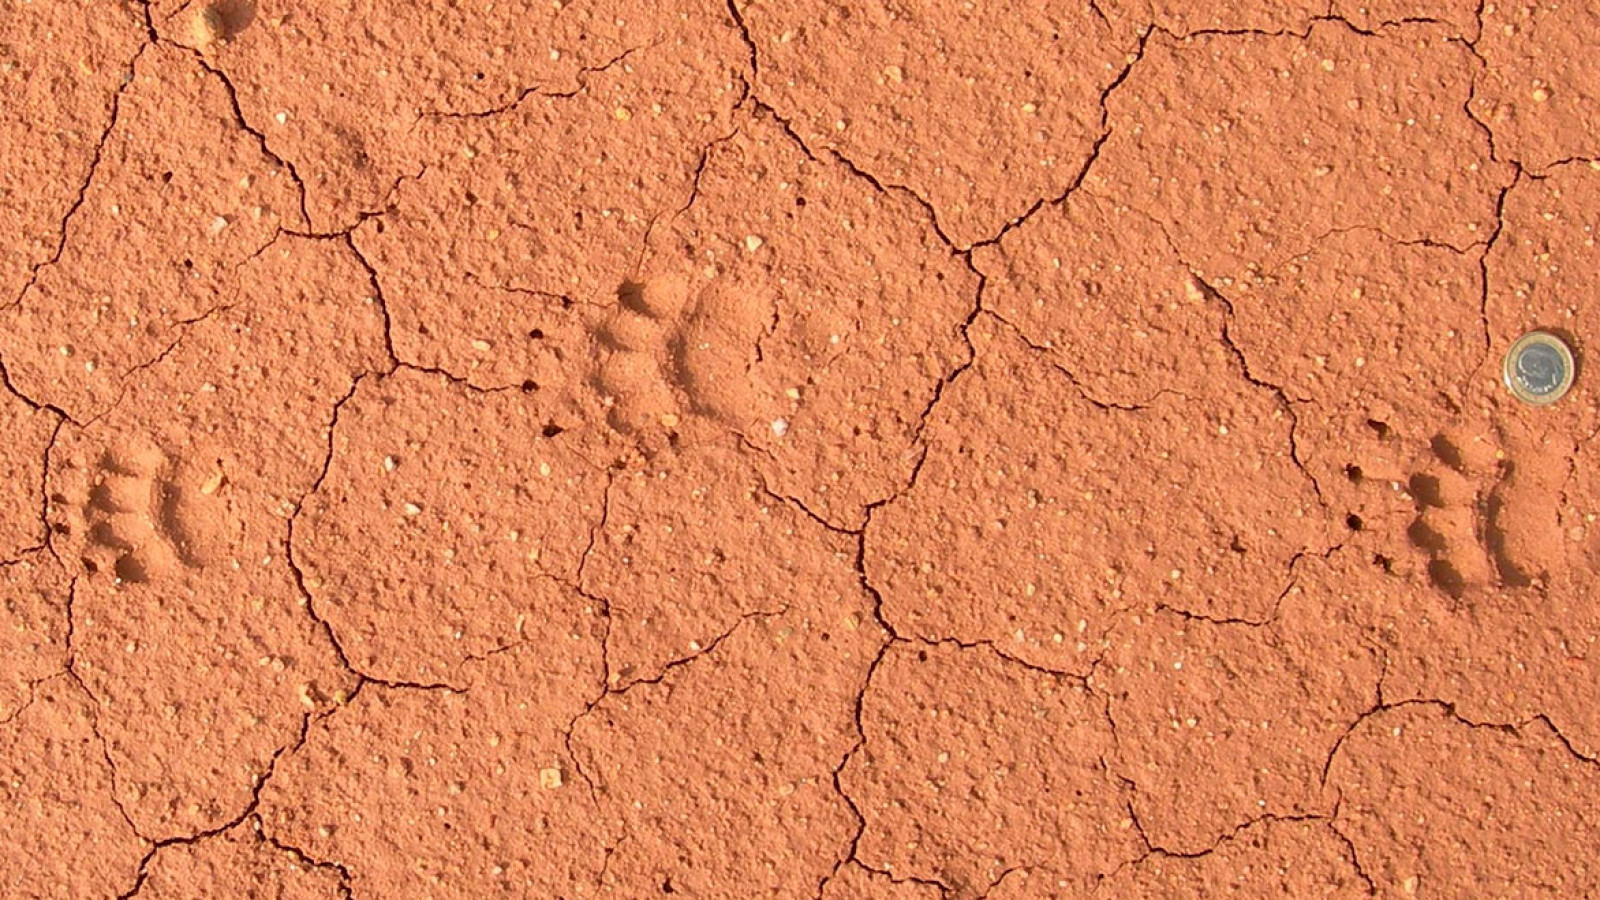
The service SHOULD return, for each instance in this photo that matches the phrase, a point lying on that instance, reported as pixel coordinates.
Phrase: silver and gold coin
(1539, 368)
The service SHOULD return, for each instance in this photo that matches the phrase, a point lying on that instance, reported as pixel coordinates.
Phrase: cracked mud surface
(731, 448)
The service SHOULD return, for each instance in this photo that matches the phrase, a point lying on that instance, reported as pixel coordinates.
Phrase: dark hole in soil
(1353, 522)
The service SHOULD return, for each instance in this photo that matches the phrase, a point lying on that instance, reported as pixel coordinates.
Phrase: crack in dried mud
(83, 189)
(851, 855)
(581, 78)
(97, 704)
(306, 859)
(1483, 258)
(308, 600)
(1075, 381)
(1303, 34)
(239, 119)
(248, 814)
(1285, 402)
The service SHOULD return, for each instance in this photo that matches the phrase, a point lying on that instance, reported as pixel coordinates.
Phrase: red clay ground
(807, 449)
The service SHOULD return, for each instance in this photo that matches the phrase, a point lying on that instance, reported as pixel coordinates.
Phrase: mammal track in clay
(806, 450)
(664, 351)
(137, 516)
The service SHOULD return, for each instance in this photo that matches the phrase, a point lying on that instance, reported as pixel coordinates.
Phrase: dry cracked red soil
(823, 449)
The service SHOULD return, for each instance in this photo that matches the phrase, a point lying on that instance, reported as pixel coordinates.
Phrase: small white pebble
(412, 509)
(780, 427)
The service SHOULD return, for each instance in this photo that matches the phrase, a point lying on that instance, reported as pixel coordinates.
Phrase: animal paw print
(1457, 502)
(663, 353)
(135, 517)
